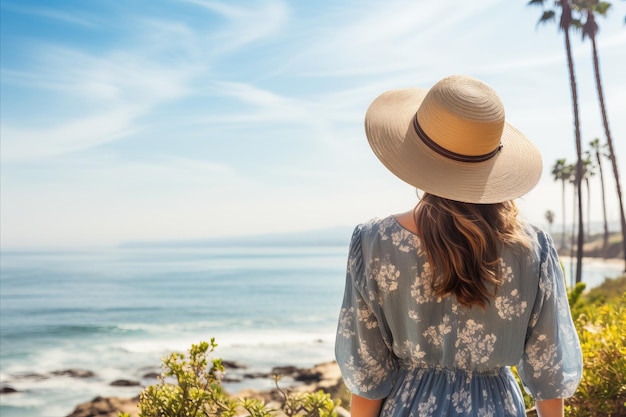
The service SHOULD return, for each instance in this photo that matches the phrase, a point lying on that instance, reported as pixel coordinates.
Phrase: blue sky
(164, 119)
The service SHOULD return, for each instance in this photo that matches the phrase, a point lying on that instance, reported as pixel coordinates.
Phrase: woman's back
(430, 325)
(437, 346)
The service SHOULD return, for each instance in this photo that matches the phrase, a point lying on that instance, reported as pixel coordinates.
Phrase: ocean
(116, 312)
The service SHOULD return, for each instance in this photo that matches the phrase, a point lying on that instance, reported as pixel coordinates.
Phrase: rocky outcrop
(74, 373)
(324, 377)
(6, 389)
(124, 383)
(107, 407)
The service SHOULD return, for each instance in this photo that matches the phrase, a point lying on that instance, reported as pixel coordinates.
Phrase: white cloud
(22, 144)
(378, 38)
(244, 25)
(72, 17)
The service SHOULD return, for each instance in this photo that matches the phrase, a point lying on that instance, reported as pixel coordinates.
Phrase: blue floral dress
(431, 356)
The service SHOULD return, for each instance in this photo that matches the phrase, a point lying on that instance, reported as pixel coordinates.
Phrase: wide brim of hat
(510, 174)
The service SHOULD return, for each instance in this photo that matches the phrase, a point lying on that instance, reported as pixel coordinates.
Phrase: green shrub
(600, 320)
(189, 387)
(602, 333)
(609, 292)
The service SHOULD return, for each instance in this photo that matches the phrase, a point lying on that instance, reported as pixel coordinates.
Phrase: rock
(151, 375)
(255, 375)
(231, 379)
(324, 376)
(285, 370)
(308, 376)
(31, 375)
(125, 383)
(266, 396)
(5, 389)
(107, 407)
(233, 365)
(329, 381)
(74, 373)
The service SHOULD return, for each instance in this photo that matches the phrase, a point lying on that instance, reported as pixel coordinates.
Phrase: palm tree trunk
(607, 131)
(588, 209)
(563, 209)
(579, 163)
(573, 234)
(605, 240)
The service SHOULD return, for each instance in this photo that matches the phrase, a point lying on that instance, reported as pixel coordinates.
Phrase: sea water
(117, 312)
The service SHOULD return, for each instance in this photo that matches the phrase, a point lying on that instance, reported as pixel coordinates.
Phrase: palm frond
(602, 8)
(536, 2)
(546, 16)
(577, 24)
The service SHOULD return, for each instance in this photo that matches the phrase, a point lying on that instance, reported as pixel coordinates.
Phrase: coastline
(126, 312)
(595, 269)
(324, 376)
(260, 385)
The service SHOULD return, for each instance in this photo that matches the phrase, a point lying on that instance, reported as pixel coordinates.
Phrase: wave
(63, 331)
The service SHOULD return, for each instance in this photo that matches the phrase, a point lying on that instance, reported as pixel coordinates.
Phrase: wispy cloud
(124, 84)
(115, 90)
(71, 17)
(244, 25)
(385, 38)
(22, 144)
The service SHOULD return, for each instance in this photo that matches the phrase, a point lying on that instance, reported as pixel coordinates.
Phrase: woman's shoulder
(538, 236)
(376, 227)
(542, 246)
(386, 234)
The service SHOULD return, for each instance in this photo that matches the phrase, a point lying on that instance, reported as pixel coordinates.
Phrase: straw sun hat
(452, 141)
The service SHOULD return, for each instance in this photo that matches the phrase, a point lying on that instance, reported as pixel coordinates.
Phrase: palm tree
(595, 146)
(576, 214)
(591, 8)
(588, 172)
(550, 218)
(559, 174)
(565, 22)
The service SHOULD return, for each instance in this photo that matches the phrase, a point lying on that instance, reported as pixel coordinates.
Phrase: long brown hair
(462, 242)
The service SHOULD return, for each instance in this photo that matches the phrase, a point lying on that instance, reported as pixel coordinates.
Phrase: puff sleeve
(362, 349)
(551, 366)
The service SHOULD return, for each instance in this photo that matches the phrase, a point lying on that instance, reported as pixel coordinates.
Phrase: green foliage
(190, 387)
(602, 333)
(600, 320)
(317, 404)
(575, 299)
(609, 292)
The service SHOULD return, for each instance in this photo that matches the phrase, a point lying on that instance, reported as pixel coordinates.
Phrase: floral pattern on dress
(435, 334)
(422, 289)
(462, 399)
(410, 350)
(510, 306)
(386, 275)
(474, 345)
(439, 358)
(404, 240)
(428, 407)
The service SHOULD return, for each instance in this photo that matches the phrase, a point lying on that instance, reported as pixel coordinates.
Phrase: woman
(441, 300)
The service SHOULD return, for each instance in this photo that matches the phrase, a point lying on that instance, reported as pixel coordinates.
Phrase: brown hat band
(449, 154)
